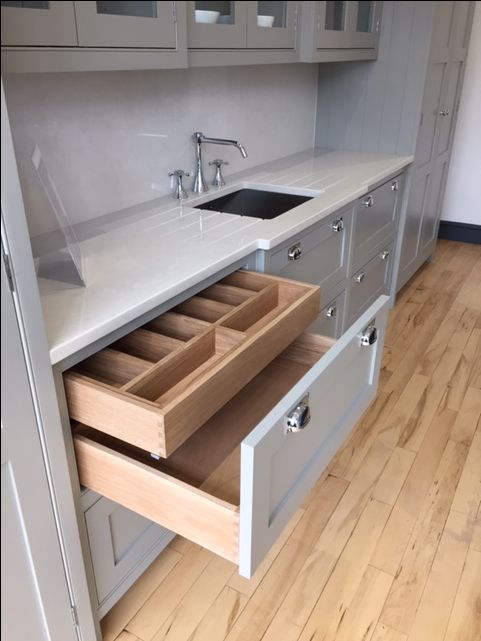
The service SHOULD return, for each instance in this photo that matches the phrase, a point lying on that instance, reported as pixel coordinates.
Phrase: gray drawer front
(324, 253)
(329, 321)
(119, 539)
(368, 283)
(279, 467)
(375, 219)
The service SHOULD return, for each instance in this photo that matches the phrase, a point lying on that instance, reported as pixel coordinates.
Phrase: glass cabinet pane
(215, 12)
(364, 16)
(136, 9)
(335, 16)
(27, 5)
(272, 14)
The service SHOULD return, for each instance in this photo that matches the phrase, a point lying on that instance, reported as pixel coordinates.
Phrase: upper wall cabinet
(339, 30)
(84, 36)
(246, 32)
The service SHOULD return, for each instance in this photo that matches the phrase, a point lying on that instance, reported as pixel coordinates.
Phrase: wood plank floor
(387, 547)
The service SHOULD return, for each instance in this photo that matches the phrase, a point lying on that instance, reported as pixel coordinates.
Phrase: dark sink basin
(255, 203)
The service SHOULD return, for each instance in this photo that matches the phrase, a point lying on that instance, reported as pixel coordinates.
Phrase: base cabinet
(122, 545)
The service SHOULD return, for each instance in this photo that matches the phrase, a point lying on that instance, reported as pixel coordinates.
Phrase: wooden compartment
(156, 386)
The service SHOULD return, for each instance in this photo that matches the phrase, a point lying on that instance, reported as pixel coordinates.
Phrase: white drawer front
(279, 468)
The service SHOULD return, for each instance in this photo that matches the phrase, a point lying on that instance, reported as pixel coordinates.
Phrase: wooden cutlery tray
(156, 386)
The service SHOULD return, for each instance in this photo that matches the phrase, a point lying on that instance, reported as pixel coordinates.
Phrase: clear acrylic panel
(215, 12)
(364, 16)
(132, 9)
(64, 263)
(26, 5)
(335, 16)
(272, 14)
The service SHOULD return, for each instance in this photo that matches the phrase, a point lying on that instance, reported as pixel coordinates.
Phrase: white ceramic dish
(265, 21)
(206, 17)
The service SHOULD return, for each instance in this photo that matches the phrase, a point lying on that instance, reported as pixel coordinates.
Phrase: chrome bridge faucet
(200, 186)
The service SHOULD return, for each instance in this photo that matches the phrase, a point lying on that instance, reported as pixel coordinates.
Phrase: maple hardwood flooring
(387, 547)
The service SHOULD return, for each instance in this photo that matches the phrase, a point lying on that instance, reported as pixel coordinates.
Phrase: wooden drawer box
(234, 484)
(156, 386)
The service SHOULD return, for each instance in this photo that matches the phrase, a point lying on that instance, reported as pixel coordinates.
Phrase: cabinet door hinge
(73, 611)
(8, 270)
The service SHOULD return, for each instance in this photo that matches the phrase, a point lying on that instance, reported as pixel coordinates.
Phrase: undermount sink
(255, 203)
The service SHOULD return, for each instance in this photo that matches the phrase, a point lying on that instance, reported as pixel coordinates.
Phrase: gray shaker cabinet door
(38, 24)
(119, 539)
(35, 597)
(228, 31)
(281, 34)
(149, 25)
(279, 468)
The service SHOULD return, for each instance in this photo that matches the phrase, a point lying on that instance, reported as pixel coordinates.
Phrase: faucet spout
(200, 186)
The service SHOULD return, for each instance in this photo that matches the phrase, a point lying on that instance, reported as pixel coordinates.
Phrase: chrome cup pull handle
(299, 418)
(337, 225)
(395, 185)
(369, 336)
(384, 255)
(360, 277)
(368, 201)
(294, 252)
(331, 311)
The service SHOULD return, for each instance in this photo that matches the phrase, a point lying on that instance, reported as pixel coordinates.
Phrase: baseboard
(462, 232)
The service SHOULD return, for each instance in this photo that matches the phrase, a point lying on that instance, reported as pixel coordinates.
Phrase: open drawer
(234, 484)
(156, 386)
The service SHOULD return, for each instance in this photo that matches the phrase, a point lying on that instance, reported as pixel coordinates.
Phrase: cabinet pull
(368, 201)
(360, 277)
(337, 225)
(395, 185)
(369, 336)
(299, 417)
(331, 311)
(294, 252)
(444, 112)
(384, 255)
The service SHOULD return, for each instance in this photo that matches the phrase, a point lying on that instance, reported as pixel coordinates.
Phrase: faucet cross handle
(218, 178)
(178, 188)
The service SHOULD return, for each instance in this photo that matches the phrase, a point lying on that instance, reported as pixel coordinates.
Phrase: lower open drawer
(234, 484)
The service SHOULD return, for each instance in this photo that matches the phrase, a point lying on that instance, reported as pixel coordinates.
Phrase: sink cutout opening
(255, 203)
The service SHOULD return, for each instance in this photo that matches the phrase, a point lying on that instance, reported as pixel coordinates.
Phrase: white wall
(89, 128)
(462, 200)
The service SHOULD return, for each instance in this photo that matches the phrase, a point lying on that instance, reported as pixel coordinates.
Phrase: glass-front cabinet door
(38, 24)
(148, 25)
(217, 25)
(365, 26)
(334, 21)
(271, 25)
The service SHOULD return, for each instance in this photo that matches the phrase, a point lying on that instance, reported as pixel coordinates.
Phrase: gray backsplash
(108, 137)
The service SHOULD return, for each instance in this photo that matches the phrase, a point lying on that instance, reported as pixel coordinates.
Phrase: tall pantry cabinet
(405, 102)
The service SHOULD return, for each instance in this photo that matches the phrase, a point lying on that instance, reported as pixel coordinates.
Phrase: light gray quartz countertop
(139, 260)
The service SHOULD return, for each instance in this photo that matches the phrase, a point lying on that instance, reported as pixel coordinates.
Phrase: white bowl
(265, 21)
(207, 17)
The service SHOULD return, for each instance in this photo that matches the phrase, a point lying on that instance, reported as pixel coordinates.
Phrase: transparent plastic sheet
(65, 263)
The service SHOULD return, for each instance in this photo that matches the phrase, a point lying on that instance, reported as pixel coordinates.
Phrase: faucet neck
(200, 186)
